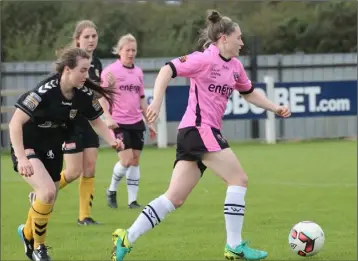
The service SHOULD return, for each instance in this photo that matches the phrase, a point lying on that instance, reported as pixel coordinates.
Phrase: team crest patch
(119, 136)
(73, 114)
(236, 76)
(221, 138)
(96, 105)
(183, 59)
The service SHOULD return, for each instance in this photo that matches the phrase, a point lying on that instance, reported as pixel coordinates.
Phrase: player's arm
(259, 99)
(142, 102)
(247, 90)
(161, 83)
(16, 135)
(107, 81)
(102, 130)
(92, 110)
(143, 107)
(26, 106)
(105, 106)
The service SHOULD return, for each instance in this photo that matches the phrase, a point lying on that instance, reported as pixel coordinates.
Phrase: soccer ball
(306, 238)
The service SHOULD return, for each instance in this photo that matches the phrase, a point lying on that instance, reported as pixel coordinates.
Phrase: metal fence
(21, 76)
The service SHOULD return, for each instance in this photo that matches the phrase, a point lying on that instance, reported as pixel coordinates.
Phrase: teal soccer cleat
(243, 251)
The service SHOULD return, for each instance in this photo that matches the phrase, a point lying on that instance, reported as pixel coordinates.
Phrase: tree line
(33, 30)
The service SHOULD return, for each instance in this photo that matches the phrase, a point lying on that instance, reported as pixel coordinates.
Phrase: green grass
(288, 183)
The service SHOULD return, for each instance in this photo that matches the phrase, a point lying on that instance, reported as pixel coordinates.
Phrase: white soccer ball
(306, 238)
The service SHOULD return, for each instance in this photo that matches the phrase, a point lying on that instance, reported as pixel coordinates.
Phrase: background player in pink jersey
(125, 117)
(214, 75)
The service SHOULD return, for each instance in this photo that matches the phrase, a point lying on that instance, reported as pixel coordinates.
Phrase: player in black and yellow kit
(81, 148)
(42, 120)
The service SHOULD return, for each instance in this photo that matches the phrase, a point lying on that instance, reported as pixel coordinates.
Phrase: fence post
(281, 128)
(270, 124)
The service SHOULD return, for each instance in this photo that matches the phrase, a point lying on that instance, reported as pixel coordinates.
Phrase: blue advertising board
(305, 99)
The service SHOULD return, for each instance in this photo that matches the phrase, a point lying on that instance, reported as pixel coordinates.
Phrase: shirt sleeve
(243, 84)
(188, 65)
(29, 102)
(91, 108)
(32, 101)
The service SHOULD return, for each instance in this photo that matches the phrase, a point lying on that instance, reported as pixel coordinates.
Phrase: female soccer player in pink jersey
(214, 75)
(125, 117)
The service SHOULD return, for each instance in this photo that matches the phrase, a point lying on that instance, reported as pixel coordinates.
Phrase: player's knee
(135, 161)
(244, 179)
(47, 194)
(89, 169)
(126, 162)
(73, 173)
(177, 202)
(238, 180)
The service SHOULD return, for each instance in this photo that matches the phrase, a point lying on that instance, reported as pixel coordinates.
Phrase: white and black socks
(234, 210)
(150, 217)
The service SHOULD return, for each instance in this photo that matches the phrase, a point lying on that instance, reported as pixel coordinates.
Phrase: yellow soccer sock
(40, 214)
(86, 190)
(63, 182)
(28, 226)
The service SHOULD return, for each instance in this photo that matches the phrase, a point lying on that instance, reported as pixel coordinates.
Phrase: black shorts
(132, 135)
(132, 139)
(193, 142)
(82, 137)
(52, 160)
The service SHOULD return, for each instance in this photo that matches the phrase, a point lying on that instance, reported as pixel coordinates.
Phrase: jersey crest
(73, 114)
(183, 58)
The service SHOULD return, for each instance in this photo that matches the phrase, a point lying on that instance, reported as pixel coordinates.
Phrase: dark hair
(217, 25)
(68, 57)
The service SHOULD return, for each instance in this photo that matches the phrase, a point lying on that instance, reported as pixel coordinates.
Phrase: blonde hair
(122, 41)
(80, 27)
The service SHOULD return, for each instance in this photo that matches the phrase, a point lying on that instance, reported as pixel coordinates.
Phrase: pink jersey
(212, 81)
(129, 91)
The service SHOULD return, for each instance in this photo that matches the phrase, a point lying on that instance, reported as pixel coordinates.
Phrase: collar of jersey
(127, 67)
(214, 49)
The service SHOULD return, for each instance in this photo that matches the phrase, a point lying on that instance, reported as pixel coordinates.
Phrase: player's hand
(118, 145)
(152, 131)
(283, 112)
(24, 167)
(152, 113)
(111, 79)
(111, 124)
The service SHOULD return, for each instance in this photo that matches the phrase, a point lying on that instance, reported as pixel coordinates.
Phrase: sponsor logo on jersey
(96, 105)
(31, 101)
